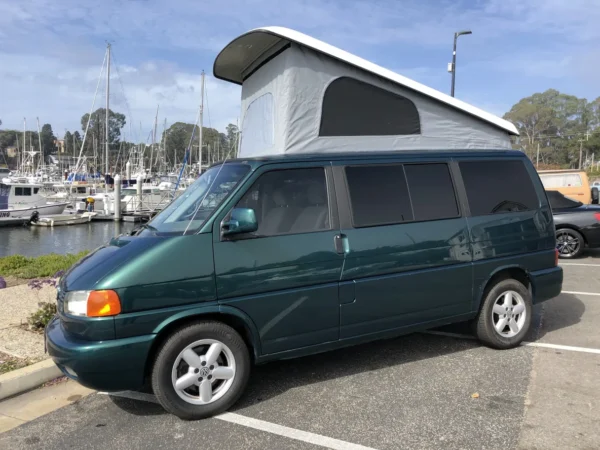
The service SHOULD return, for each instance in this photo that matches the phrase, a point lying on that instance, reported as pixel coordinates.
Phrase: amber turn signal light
(103, 304)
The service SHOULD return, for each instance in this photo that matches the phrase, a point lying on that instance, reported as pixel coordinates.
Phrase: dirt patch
(8, 363)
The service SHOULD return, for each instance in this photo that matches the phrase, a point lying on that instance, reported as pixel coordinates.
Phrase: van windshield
(188, 212)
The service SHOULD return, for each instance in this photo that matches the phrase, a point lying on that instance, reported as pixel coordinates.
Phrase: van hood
(140, 260)
(95, 266)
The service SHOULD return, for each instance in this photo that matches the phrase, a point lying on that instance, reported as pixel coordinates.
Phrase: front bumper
(110, 365)
(546, 284)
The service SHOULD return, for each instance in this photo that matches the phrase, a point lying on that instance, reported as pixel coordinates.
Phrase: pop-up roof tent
(301, 95)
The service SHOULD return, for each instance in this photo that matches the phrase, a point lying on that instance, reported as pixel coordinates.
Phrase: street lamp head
(460, 33)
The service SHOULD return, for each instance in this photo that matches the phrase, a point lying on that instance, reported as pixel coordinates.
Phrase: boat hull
(70, 219)
(25, 213)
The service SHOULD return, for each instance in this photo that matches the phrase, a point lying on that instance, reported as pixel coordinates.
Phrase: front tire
(201, 370)
(505, 315)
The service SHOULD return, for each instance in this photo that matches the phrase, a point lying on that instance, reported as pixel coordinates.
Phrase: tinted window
(289, 201)
(18, 191)
(354, 108)
(27, 191)
(378, 195)
(495, 187)
(431, 191)
(36, 190)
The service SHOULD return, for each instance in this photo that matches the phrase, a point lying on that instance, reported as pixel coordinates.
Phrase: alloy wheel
(509, 314)
(203, 372)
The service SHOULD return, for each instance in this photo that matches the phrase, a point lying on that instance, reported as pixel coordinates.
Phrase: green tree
(96, 130)
(68, 139)
(232, 133)
(556, 123)
(178, 138)
(48, 140)
(8, 138)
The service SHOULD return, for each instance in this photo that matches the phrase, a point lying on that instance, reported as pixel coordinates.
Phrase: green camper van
(270, 258)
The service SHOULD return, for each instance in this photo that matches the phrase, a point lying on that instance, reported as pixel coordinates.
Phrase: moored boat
(21, 200)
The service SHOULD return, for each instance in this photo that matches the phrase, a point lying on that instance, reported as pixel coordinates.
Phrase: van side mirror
(595, 196)
(241, 220)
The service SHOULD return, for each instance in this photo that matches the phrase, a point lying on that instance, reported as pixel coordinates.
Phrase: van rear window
(495, 187)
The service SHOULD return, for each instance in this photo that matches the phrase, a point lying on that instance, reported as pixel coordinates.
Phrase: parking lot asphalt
(413, 392)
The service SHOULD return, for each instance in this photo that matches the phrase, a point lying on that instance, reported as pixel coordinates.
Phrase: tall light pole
(452, 66)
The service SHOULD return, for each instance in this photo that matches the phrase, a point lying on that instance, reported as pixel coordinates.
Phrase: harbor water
(35, 241)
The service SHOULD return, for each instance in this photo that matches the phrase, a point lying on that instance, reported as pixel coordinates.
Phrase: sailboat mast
(200, 130)
(107, 116)
(41, 163)
(24, 145)
(153, 139)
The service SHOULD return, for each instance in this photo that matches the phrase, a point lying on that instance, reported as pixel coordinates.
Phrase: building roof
(245, 53)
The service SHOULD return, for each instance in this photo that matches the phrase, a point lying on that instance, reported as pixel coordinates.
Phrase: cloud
(61, 93)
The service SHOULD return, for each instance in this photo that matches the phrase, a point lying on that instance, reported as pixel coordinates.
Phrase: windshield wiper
(143, 227)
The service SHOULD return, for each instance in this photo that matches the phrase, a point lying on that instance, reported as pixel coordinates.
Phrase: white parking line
(262, 425)
(580, 264)
(562, 347)
(580, 293)
(523, 344)
(291, 433)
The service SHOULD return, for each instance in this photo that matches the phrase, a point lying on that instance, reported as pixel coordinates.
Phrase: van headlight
(103, 303)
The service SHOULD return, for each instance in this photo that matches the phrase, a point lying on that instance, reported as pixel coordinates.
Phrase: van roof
(424, 154)
(245, 50)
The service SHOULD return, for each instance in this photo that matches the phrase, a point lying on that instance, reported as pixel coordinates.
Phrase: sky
(51, 52)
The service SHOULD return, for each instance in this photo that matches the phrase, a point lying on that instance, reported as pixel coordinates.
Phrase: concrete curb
(21, 380)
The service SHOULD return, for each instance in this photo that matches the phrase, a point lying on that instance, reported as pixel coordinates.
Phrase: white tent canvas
(300, 95)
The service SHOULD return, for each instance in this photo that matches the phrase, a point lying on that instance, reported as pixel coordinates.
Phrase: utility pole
(201, 122)
(580, 152)
(537, 161)
(452, 66)
(107, 117)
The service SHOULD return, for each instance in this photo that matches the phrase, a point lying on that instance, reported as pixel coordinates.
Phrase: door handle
(340, 242)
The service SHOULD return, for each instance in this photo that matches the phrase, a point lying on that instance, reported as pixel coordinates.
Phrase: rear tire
(505, 315)
(569, 243)
(201, 370)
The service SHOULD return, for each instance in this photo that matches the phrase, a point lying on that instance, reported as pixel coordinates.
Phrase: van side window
(431, 191)
(289, 202)
(495, 187)
(379, 113)
(378, 195)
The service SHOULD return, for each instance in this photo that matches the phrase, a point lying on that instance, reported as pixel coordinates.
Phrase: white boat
(21, 200)
(76, 193)
(64, 219)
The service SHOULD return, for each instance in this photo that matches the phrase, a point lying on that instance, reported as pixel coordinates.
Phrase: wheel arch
(514, 272)
(228, 315)
(570, 226)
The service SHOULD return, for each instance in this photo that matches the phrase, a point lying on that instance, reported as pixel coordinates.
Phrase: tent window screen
(258, 126)
(355, 108)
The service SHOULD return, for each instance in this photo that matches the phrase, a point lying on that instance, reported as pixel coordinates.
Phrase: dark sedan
(577, 225)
